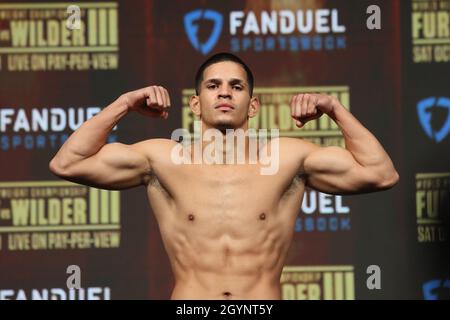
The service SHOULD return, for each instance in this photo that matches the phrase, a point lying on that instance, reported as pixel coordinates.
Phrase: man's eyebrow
(232, 81)
(236, 81)
(213, 80)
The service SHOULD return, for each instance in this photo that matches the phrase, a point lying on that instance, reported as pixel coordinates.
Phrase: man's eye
(237, 87)
(211, 86)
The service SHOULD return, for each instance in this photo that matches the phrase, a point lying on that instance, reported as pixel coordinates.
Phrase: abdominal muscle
(220, 282)
(230, 246)
(232, 261)
(220, 289)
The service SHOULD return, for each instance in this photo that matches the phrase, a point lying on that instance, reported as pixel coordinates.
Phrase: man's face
(224, 98)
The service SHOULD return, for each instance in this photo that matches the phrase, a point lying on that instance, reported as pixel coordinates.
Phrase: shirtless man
(226, 228)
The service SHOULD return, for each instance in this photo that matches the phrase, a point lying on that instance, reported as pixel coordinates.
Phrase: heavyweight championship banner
(386, 61)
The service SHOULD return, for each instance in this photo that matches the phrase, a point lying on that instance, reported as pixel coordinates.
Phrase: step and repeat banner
(62, 62)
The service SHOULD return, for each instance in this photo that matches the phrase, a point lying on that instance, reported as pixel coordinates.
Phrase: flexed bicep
(115, 166)
(334, 170)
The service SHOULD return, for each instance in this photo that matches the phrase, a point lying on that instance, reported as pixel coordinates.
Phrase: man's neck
(231, 143)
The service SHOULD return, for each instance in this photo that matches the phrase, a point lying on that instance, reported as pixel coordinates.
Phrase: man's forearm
(91, 136)
(360, 142)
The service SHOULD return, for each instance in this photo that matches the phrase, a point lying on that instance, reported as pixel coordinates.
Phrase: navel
(227, 295)
(262, 216)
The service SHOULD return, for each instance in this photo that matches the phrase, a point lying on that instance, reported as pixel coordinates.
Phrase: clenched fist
(153, 101)
(309, 106)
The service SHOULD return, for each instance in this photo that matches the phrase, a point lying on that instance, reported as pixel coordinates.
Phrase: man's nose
(225, 92)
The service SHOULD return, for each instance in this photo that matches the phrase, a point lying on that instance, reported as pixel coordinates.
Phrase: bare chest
(233, 194)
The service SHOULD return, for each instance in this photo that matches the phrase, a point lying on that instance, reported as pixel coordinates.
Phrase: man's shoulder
(288, 143)
(294, 151)
(156, 142)
(155, 146)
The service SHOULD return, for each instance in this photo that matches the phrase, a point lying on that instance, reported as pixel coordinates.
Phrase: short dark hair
(219, 57)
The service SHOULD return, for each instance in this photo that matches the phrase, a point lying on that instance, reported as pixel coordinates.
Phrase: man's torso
(226, 228)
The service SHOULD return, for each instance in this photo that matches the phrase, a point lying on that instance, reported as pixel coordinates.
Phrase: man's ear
(254, 107)
(194, 104)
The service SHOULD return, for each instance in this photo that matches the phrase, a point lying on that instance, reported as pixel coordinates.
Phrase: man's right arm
(86, 158)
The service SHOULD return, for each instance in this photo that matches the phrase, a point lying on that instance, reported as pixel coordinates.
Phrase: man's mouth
(224, 107)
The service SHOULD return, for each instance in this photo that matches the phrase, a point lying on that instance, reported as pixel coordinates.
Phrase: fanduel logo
(424, 111)
(275, 30)
(191, 27)
(437, 289)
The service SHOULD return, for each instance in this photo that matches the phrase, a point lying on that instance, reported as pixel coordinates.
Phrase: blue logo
(191, 27)
(436, 289)
(424, 111)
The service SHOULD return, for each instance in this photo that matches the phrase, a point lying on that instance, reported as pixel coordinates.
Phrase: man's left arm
(363, 166)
